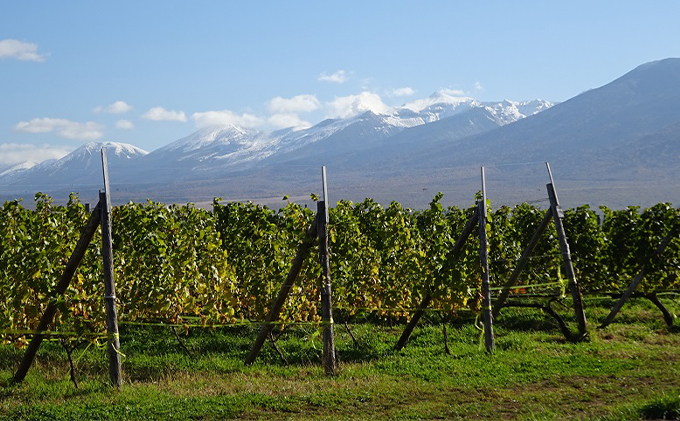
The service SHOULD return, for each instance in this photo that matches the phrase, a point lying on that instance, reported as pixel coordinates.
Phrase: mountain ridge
(622, 136)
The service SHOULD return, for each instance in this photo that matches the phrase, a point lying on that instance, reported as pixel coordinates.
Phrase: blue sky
(150, 72)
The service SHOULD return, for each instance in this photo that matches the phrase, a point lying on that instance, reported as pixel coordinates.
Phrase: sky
(151, 72)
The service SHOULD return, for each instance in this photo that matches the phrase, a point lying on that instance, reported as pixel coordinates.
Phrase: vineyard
(188, 267)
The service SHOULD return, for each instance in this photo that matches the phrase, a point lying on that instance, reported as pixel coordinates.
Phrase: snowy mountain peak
(89, 154)
(534, 106)
(115, 148)
(442, 99)
(223, 134)
(19, 167)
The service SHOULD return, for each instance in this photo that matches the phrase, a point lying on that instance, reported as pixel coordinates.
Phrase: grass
(631, 370)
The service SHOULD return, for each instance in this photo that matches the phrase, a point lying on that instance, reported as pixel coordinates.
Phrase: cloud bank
(20, 50)
(349, 106)
(124, 124)
(284, 120)
(296, 104)
(118, 107)
(405, 91)
(340, 76)
(161, 114)
(213, 118)
(63, 128)
(16, 153)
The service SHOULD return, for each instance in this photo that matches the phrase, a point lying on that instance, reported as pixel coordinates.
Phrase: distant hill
(602, 131)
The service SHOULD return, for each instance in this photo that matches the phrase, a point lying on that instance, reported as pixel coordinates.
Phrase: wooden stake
(425, 303)
(300, 257)
(326, 295)
(548, 309)
(521, 264)
(446, 339)
(109, 283)
(413, 322)
(351, 334)
(70, 269)
(566, 256)
(633, 285)
(484, 257)
(668, 317)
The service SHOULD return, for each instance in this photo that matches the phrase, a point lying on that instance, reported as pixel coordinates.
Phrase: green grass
(631, 370)
(662, 408)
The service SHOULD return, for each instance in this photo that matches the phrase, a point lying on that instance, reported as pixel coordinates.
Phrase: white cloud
(284, 120)
(15, 153)
(118, 107)
(348, 106)
(452, 92)
(478, 87)
(20, 50)
(340, 76)
(299, 103)
(124, 124)
(405, 91)
(213, 118)
(161, 114)
(64, 128)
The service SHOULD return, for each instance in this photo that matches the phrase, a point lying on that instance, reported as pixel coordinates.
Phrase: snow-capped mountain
(621, 140)
(229, 148)
(443, 104)
(210, 149)
(80, 167)
(26, 165)
(89, 155)
(219, 150)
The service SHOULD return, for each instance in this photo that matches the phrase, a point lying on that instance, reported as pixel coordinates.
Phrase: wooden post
(548, 309)
(453, 254)
(326, 307)
(323, 209)
(484, 257)
(566, 256)
(70, 269)
(521, 264)
(668, 317)
(302, 253)
(413, 322)
(109, 284)
(633, 285)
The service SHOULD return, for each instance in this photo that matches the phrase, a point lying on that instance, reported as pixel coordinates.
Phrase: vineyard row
(181, 264)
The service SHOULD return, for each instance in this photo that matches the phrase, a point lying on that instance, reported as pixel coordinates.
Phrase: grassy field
(631, 370)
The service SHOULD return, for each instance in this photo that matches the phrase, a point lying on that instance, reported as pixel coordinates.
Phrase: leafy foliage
(179, 264)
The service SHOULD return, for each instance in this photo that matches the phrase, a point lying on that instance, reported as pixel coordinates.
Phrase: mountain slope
(79, 168)
(371, 137)
(217, 151)
(598, 126)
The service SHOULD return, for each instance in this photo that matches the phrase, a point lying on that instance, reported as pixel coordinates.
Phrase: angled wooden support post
(484, 260)
(566, 257)
(115, 372)
(70, 269)
(633, 285)
(413, 322)
(425, 303)
(300, 257)
(668, 317)
(521, 264)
